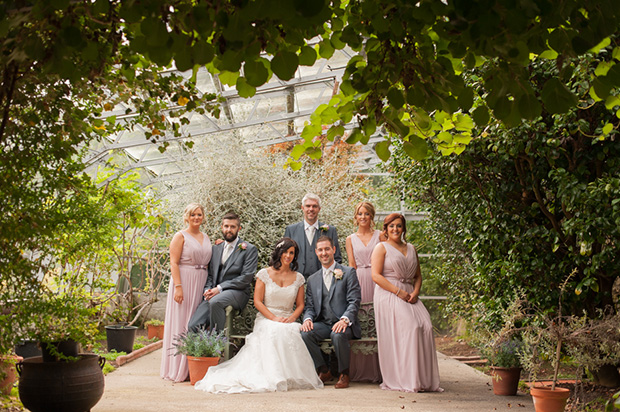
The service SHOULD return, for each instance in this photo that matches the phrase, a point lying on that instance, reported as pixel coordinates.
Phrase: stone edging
(123, 359)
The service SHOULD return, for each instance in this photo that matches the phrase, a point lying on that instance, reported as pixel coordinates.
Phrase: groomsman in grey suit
(307, 232)
(231, 270)
(333, 298)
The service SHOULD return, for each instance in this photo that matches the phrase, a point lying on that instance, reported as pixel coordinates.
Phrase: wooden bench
(238, 325)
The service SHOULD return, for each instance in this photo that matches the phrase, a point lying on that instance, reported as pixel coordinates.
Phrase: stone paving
(136, 386)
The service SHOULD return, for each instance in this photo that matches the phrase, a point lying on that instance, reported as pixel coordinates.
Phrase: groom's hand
(307, 326)
(210, 293)
(340, 326)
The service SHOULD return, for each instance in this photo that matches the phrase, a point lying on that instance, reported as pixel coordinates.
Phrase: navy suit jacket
(344, 297)
(297, 232)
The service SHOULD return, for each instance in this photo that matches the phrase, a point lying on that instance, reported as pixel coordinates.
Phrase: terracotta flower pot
(547, 400)
(8, 374)
(155, 331)
(505, 380)
(198, 367)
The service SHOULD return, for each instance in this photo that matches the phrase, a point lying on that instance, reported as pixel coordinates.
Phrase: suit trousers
(212, 313)
(340, 342)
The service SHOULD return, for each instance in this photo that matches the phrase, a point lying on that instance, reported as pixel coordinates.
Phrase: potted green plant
(503, 355)
(8, 374)
(203, 349)
(155, 328)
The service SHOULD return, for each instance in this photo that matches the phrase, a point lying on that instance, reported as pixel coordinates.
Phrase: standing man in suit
(307, 232)
(231, 271)
(333, 298)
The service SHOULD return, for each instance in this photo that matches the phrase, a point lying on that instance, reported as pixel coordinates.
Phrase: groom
(306, 233)
(332, 302)
(231, 270)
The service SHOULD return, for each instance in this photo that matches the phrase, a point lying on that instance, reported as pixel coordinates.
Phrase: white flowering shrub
(266, 196)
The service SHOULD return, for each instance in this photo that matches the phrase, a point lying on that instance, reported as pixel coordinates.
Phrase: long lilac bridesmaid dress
(404, 331)
(193, 268)
(364, 367)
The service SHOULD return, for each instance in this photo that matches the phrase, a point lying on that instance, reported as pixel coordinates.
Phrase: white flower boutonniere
(324, 228)
(243, 246)
(338, 274)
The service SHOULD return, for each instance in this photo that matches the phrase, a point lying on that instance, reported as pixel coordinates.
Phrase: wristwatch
(345, 320)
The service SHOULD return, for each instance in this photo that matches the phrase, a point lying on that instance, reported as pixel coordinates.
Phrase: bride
(274, 357)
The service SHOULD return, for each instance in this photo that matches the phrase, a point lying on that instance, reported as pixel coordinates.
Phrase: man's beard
(229, 237)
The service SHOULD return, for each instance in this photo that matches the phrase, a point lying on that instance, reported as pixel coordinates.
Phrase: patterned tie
(227, 252)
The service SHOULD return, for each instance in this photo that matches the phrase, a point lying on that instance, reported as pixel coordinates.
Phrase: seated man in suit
(231, 270)
(332, 301)
(306, 233)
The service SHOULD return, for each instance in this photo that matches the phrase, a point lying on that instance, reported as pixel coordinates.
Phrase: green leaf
(297, 151)
(416, 148)
(396, 98)
(307, 56)
(355, 136)
(284, 64)
(311, 131)
(529, 107)
(383, 150)
(314, 152)
(183, 60)
(607, 128)
(244, 88)
(334, 132)
(203, 53)
(481, 116)
(326, 50)
(557, 98)
(255, 72)
(228, 78)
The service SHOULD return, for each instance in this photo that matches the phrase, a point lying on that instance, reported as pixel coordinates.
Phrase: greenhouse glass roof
(275, 114)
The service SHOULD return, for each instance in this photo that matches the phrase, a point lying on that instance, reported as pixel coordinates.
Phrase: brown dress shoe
(325, 376)
(343, 382)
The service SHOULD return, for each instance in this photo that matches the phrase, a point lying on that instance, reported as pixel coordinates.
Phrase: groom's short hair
(232, 216)
(325, 238)
(311, 196)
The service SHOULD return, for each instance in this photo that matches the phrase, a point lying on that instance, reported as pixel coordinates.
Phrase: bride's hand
(279, 319)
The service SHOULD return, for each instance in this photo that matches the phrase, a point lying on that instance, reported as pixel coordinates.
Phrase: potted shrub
(155, 328)
(139, 258)
(503, 355)
(8, 374)
(203, 349)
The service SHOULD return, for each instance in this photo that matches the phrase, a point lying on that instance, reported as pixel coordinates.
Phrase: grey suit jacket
(297, 232)
(238, 271)
(344, 297)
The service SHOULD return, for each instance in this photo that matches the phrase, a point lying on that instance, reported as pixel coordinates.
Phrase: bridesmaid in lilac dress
(364, 368)
(190, 253)
(404, 331)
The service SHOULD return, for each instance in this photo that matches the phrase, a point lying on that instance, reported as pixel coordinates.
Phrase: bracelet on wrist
(176, 286)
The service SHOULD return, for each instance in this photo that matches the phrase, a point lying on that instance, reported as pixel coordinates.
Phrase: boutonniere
(324, 228)
(338, 274)
(242, 246)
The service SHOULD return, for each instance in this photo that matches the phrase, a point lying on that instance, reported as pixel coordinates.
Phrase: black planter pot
(73, 386)
(66, 347)
(121, 338)
(28, 349)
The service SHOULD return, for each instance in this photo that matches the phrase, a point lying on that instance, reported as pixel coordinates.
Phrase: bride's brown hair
(283, 245)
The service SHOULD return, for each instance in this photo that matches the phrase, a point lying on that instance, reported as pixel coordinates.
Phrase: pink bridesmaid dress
(364, 368)
(193, 268)
(404, 331)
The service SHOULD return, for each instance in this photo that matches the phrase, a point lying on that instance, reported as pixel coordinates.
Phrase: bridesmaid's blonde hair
(191, 208)
(366, 205)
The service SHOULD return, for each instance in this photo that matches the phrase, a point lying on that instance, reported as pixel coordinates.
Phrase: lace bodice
(279, 300)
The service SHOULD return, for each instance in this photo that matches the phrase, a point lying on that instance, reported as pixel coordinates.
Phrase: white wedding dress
(274, 357)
